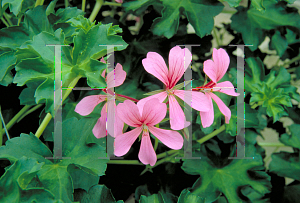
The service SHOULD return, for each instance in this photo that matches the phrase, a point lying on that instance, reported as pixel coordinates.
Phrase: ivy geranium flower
(215, 70)
(86, 105)
(179, 60)
(144, 117)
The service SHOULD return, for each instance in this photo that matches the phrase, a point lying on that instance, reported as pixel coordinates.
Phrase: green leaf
(293, 139)
(254, 73)
(86, 45)
(286, 164)
(62, 15)
(36, 21)
(251, 119)
(7, 61)
(139, 6)
(279, 43)
(258, 5)
(97, 194)
(13, 37)
(82, 179)
(187, 197)
(252, 23)
(54, 175)
(233, 3)
(203, 24)
(81, 22)
(15, 181)
(154, 92)
(155, 198)
(227, 179)
(18, 6)
(273, 99)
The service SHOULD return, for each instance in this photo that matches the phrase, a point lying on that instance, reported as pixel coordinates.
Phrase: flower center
(169, 91)
(110, 97)
(145, 130)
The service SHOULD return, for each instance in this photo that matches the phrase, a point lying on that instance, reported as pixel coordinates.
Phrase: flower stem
(266, 144)
(148, 167)
(292, 61)
(29, 111)
(8, 19)
(162, 155)
(1, 137)
(126, 162)
(66, 3)
(44, 124)
(4, 21)
(15, 118)
(48, 117)
(96, 10)
(130, 98)
(211, 135)
(112, 4)
(2, 119)
(83, 5)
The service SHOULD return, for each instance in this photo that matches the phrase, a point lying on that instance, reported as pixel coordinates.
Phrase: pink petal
(221, 60)
(147, 154)
(179, 61)
(102, 60)
(209, 70)
(114, 123)
(177, 117)
(223, 108)
(129, 113)
(154, 112)
(87, 104)
(220, 88)
(199, 101)
(207, 118)
(116, 78)
(160, 96)
(119, 1)
(124, 141)
(170, 138)
(155, 65)
(103, 73)
(99, 129)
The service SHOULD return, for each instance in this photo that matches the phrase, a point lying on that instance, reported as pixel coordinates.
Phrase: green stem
(148, 167)
(2, 119)
(112, 4)
(1, 137)
(48, 117)
(292, 61)
(43, 125)
(214, 133)
(130, 98)
(4, 21)
(216, 36)
(126, 162)
(19, 20)
(39, 3)
(156, 140)
(96, 10)
(83, 5)
(254, 106)
(8, 19)
(290, 70)
(66, 3)
(266, 144)
(29, 111)
(164, 154)
(15, 118)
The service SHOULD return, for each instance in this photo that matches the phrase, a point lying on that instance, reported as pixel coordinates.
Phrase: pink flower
(119, 1)
(179, 60)
(215, 70)
(144, 118)
(86, 105)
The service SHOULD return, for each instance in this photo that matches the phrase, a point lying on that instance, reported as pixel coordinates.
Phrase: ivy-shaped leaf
(286, 164)
(293, 139)
(18, 7)
(54, 175)
(233, 3)
(252, 23)
(229, 178)
(139, 6)
(186, 196)
(14, 183)
(97, 194)
(203, 24)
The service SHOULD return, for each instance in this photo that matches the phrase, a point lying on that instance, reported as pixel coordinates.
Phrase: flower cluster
(152, 110)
